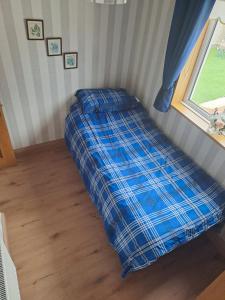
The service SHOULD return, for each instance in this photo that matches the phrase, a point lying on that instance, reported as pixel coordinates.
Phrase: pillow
(105, 100)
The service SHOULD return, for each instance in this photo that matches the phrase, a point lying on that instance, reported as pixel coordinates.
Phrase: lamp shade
(109, 1)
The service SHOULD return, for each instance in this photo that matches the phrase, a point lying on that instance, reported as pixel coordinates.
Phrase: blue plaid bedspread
(151, 196)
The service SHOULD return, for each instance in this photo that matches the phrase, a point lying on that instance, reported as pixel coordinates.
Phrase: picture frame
(34, 29)
(70, 60)
(54, 46)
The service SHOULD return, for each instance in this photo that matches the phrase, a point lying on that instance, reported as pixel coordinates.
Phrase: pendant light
(109, 1)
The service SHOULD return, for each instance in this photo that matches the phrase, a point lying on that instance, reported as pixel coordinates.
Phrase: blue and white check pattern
(101, 100)
(151, 196)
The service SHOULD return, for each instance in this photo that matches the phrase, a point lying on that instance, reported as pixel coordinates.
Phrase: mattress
(151, 196)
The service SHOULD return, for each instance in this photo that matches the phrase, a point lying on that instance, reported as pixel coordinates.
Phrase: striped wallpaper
(35, 89)
(118, 46)
(145, 79)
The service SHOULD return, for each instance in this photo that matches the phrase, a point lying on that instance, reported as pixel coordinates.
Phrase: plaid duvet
(151, 196)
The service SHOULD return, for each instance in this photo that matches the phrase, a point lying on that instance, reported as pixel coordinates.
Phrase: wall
(35, 89)
(118, 46)
(145, 79)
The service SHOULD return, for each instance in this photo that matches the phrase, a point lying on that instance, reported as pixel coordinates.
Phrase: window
(200, 90)
(206, 89)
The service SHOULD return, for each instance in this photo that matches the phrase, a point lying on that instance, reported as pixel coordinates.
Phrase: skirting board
(37, 147)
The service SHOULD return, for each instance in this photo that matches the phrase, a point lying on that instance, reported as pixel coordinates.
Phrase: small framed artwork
(54, 46)
(35, 29)
(70, 60)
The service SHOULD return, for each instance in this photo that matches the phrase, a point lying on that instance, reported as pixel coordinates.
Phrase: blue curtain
(189, 18)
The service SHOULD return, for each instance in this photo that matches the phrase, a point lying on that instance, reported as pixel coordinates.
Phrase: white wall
(35, 89)
(118, 46)
(145, 79)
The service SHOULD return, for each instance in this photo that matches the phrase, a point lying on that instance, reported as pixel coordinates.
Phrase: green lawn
(211, 82)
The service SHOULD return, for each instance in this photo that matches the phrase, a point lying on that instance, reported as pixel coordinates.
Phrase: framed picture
(70, 60)
(35, 29)
(54, 46)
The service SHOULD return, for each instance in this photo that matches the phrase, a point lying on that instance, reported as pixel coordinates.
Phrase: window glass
(208, 91)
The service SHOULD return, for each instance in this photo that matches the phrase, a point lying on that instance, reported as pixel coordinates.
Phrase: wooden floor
(60, 249)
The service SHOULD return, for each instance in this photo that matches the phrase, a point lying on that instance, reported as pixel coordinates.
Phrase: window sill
(198, 121)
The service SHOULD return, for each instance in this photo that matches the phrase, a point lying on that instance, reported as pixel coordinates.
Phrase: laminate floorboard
(59, 247)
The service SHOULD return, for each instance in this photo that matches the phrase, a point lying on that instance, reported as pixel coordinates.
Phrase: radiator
(9, 289)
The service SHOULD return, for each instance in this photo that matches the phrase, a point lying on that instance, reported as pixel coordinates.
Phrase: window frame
(203, 52)
(181, 88)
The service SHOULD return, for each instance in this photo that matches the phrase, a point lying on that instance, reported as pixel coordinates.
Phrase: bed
(152, 197)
